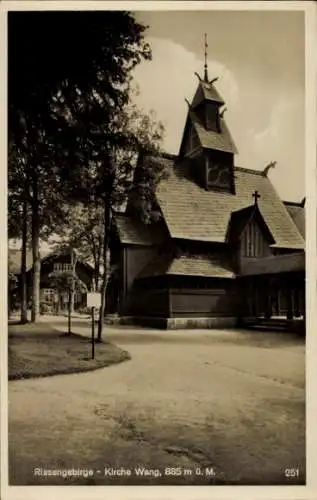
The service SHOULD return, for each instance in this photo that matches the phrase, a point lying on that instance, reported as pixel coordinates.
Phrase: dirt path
(188, 400)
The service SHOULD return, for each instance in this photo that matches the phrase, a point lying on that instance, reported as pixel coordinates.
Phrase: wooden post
(296, 303)
(290, 314)
(69, 312)
(278, 302)
(268, 300)
(93, 333)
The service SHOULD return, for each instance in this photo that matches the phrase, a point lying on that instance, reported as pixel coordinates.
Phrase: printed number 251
(291, 473)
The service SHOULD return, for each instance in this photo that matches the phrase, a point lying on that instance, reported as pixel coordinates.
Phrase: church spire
(206, 66)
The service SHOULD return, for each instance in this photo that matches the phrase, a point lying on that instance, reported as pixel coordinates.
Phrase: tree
(83, 230)
(68, 281)
(18, 219)
(62, 106)
(35, 198)
(12, 283)
(127, 180)
(70, 112)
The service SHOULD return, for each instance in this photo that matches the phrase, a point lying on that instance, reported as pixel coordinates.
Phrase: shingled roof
(15, 257)
(221, 141)
(191, 212)
(134, 232)
(275, 264)
(206, 91)
(297, 212)
(188, 265)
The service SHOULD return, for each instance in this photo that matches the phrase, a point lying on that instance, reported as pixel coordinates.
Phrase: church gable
(255, 240)
(249, 234)
(247, 220)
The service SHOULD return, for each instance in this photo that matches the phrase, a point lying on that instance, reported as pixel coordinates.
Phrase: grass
(40, 351)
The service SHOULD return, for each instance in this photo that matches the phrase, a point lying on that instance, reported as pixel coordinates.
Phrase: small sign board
(94, 299)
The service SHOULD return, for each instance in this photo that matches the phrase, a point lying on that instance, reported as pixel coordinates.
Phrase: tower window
(218, 174)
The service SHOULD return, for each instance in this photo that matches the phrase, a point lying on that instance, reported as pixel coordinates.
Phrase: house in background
(226, 248)
(51, 299)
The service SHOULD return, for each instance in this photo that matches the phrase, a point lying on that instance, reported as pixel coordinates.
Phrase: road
(230, 400)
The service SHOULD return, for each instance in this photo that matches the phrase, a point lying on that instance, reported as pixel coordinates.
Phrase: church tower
(207, 143)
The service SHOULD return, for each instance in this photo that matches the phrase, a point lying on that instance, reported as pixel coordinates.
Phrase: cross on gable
(256, 196)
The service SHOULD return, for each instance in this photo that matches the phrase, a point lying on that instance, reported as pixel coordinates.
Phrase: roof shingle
(221, 141)
(297, 212)
(191, 212)
(274, 264)
(134, 232)
(189, 265)
(207, 91)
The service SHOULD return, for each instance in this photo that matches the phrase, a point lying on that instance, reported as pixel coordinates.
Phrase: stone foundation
(216, 322)
(173, 323)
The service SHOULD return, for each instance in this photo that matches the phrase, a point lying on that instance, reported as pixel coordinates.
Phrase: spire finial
(205, 66)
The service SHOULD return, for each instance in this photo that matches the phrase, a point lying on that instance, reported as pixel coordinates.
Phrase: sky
(259, 58)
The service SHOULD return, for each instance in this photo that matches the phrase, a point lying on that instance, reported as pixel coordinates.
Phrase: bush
(46, 308)
(83, 310)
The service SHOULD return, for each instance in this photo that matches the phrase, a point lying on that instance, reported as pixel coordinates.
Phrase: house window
(62, 267)
(48, 295)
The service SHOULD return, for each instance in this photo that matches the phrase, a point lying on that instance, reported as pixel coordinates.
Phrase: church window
(253, 242)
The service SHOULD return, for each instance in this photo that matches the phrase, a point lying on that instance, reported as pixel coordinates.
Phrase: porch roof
(185, 265)
(275, 264)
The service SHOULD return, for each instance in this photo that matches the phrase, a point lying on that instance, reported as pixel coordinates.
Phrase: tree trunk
(105, 271)
(23, 284)
(97, 270)
(94, 284)
(71, 294)
(69, 312)
(99, 253)
(9, 299)
(35, 252)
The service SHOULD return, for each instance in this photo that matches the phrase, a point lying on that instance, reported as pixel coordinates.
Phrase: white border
(184, 492)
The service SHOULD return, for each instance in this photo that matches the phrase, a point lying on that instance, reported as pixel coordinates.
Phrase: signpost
(93, 333)
(94, 302)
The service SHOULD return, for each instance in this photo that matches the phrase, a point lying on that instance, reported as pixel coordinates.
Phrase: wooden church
(226, 249)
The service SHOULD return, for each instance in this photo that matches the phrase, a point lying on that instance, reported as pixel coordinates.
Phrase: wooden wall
(215, 300)
(171, 296)
(133, 261)
(153, 302)
(253, 243)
